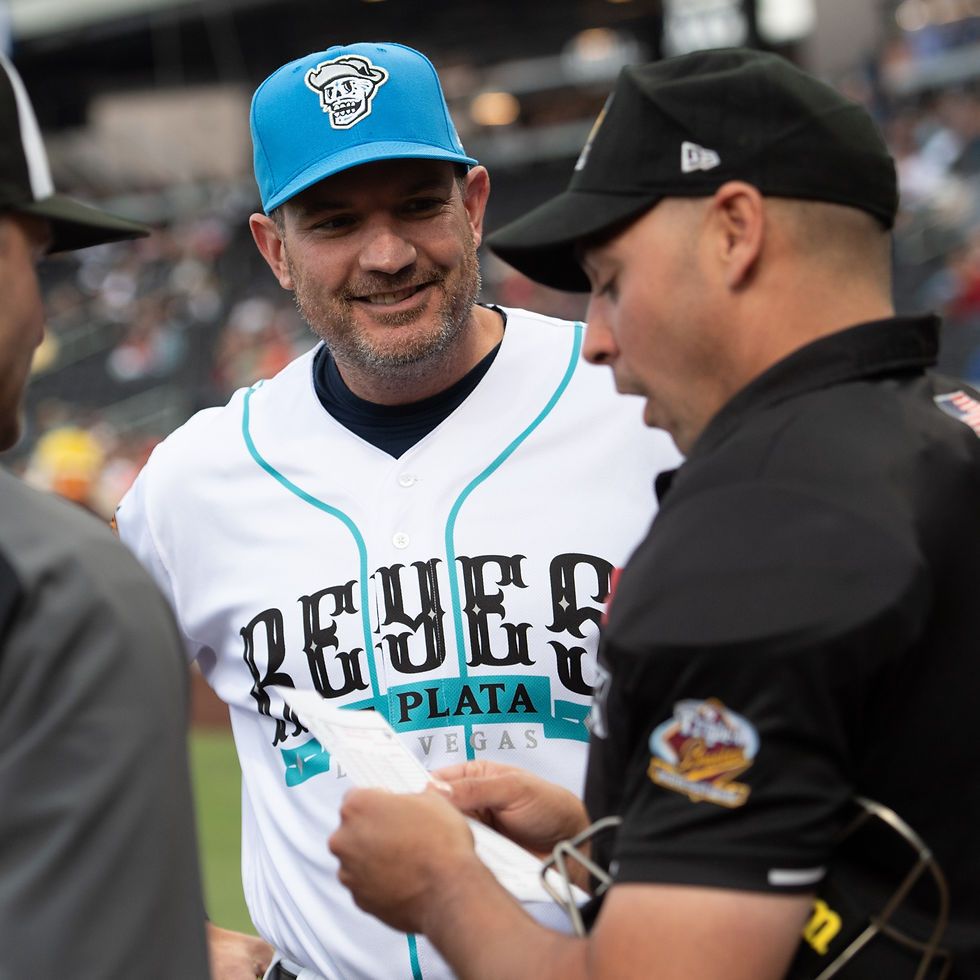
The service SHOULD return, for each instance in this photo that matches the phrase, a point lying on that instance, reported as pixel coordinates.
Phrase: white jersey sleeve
(134, 521)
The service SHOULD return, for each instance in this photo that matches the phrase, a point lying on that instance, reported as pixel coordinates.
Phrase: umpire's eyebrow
(587, 267)
(590, 266)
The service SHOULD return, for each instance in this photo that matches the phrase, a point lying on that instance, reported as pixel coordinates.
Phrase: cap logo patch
(700, 751)
(961, 407)
(347, 87)
(694, 157)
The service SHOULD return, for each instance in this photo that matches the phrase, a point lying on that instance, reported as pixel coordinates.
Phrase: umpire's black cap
(684, 126)
(25, 177)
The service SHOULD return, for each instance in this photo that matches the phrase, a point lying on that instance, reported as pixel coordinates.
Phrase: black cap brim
(76, 225)
(542, 243)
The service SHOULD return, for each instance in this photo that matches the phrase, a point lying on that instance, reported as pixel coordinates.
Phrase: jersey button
(407, 480)
(400, 540)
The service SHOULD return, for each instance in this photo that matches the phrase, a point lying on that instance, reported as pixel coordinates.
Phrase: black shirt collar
(892, 346)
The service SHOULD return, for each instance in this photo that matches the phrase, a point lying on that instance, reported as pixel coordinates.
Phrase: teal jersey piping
(450, 548)
(345, 520)
(413, 953)
(573, 362)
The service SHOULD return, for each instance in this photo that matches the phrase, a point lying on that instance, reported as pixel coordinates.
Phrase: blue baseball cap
(345, 106)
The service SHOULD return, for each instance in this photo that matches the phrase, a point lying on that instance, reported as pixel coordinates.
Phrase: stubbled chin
(397, 336)
(380, 320)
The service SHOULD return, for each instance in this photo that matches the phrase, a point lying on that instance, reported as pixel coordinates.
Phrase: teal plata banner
(451, 701)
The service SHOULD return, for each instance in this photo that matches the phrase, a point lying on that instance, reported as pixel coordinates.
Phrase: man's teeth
(388, 299)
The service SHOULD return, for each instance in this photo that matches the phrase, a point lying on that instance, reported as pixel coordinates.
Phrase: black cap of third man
(684, 126)
(25, 177)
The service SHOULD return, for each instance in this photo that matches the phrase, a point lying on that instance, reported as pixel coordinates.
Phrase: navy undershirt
(394, 429)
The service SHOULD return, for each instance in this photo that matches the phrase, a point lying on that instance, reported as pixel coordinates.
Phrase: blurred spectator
(152, 345)
(921, 173)
(258, 340)
(68, 461)
(964, 264)
(959, 109)
(179, 319)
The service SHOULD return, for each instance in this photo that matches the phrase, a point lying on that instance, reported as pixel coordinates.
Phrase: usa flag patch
(961, 407)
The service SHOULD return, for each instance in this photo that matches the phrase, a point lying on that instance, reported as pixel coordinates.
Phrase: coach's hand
(402, 854)
(529, 810)
(237, 956)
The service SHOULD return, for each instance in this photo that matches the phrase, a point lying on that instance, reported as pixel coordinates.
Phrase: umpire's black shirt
(799, 629)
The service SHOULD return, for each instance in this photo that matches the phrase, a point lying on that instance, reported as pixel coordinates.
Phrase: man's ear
(271, 246)
(475, 195)
(738, 218)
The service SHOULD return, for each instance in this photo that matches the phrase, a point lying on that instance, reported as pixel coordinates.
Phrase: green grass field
(217, 791)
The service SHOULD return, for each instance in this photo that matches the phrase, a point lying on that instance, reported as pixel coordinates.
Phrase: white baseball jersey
(457, 589)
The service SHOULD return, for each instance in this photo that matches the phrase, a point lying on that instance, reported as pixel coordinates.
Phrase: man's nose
(599, 346)
(386, 250)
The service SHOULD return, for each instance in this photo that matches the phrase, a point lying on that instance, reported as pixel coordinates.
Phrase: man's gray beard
(348, 347)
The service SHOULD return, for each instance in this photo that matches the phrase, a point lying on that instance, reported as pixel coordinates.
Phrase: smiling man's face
(382, 261)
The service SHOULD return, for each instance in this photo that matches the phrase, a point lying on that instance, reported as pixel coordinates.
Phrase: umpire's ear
(269, 242)
(737, 218)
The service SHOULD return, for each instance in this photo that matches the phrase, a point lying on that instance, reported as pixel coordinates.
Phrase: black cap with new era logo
(25, 178)
(684, 126)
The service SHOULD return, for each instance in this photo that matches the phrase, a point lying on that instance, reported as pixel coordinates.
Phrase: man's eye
(607, 288)
(335, 223)
(424, 205)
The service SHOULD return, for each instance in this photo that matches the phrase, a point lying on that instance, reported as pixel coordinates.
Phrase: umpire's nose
(600, 342)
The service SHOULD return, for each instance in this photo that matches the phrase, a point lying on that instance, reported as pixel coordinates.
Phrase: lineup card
(368, 749)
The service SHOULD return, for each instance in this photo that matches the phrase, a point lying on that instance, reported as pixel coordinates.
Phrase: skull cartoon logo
(346, 87)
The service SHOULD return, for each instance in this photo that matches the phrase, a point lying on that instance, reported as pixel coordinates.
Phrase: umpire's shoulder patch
(960, 406)
(701, 749)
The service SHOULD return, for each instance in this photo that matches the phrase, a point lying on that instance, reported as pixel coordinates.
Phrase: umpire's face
(654, 318)
(23, 241)
(382, 260)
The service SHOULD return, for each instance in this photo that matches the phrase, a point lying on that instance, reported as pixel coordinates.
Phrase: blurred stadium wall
(144, 107)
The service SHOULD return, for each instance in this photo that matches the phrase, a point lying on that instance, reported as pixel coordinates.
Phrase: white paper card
(368, 749)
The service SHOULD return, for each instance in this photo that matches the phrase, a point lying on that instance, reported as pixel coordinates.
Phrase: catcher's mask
(860, 926)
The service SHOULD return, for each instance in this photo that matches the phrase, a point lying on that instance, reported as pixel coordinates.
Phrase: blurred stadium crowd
(140, 336)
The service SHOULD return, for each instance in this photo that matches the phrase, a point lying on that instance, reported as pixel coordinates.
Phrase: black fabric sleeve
(744, 643)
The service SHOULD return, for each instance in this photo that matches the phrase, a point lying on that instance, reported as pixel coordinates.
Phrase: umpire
(98, 867)
(794, 648)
